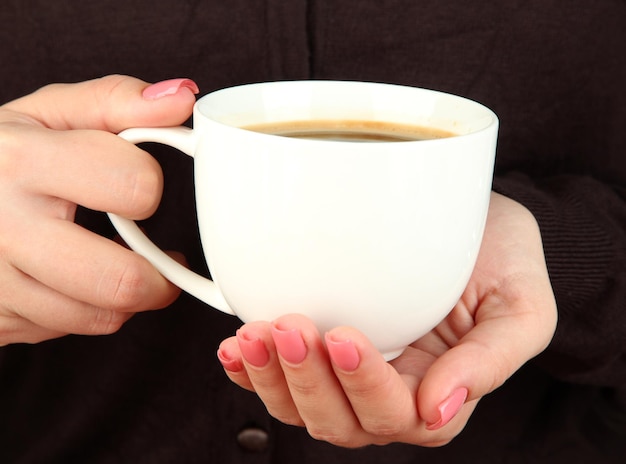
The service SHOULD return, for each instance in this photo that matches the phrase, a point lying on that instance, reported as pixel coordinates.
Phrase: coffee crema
(351, 131)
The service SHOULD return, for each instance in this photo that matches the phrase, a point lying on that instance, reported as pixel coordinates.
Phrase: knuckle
(502, 366)
(288, 419)
(386, 429)
(110, 93)
(145, 189)
(106, 322)
(271, 386)
(18, 135)
(106, 86)
(331, 435)
(304, 388)
(7, 333)
(124, 286)
(10, 164)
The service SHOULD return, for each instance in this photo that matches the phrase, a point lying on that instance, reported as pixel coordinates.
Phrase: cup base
(390, 355)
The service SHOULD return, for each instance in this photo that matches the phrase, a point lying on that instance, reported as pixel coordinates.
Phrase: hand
(343, 392)
(58, 150)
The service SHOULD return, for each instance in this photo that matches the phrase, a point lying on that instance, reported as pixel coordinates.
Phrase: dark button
(253, 439)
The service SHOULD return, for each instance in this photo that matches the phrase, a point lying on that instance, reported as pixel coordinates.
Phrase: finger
(89, 268)
(231, 359)
(500, 341)
(111, 103)
(15, 329)
(265, 372)
(92, 168)
(318, 395)
(382, 399)
(43, 313)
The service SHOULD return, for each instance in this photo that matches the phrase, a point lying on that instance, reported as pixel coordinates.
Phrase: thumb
(112, 103)
(497, 346)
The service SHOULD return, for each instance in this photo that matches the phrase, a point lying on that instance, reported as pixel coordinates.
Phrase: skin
(506, 316)
(58, 150)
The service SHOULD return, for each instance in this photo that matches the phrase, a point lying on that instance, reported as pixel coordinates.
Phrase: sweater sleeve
(583, 227)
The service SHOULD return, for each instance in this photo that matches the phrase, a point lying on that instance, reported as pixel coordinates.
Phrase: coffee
(351, 131)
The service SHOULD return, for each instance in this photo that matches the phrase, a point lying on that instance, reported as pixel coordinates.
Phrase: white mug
(379, 236)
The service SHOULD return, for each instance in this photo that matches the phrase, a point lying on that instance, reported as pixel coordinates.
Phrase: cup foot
(392, 354)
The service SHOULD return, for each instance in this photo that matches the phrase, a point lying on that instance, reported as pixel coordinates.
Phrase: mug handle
(185, 140)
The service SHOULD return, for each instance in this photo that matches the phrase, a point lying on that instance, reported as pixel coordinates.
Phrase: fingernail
(343, 353)
(253, 349)
(449, 408)
(169, 87)
(229, 363)
(289, 344)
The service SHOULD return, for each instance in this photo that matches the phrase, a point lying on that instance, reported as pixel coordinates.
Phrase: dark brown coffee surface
(351, 131)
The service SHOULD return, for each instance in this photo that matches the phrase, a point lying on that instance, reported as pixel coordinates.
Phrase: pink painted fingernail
(169, 87)
(289, 344)
(343, 353)
(228, 362)
(253, 349)
(449, 408)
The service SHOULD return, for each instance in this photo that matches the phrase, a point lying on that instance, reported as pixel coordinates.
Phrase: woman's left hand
(340, 388)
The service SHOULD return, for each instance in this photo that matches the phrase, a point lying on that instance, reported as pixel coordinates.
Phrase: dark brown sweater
(553, 71)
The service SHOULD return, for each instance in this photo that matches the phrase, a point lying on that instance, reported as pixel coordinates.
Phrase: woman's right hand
(58, 150)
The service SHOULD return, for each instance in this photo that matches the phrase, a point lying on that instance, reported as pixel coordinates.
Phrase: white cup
(379, 236)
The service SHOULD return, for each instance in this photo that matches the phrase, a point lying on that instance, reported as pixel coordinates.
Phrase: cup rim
(202, 108)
